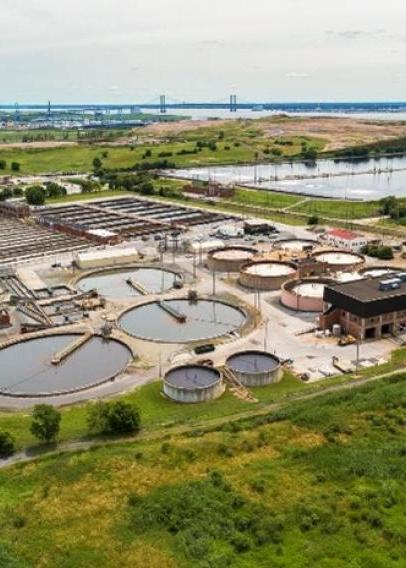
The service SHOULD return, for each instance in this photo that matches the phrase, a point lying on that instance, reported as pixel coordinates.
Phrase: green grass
(321, 483)
(272, 199)
(157, 411)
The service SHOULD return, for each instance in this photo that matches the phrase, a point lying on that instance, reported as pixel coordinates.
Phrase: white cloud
(295, 75)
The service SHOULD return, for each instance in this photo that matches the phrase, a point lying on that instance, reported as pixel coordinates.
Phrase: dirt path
(31, 454)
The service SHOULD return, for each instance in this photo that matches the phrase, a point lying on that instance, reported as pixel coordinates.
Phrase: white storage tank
(193, 383)
(255, 368)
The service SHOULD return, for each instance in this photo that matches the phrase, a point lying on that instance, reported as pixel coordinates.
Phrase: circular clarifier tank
(255, 368)
(340, 260)
(375, 271)
(266, 275)
(304, 295)
(182, 320)
(229, 259)
(193, 383)
(27, 368)
(296, 245)
(129, 282)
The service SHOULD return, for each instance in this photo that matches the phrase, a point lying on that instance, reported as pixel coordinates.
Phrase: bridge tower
(233, 103)
(16, 112)
(162, 104)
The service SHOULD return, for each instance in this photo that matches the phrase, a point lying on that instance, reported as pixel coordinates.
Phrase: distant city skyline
(132, 51)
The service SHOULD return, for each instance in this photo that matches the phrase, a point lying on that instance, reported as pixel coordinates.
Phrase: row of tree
(104, 418)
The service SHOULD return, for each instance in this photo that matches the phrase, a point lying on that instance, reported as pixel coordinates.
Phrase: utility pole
(214, 282)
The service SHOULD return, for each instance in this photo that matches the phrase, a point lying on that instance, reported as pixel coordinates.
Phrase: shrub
(7, 447)
(35, 195)
(313, 220)
(15, 166)
(115, 417)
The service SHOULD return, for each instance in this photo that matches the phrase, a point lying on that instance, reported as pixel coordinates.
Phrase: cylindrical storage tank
(266, 274)
(296, 245)
(193, 383)
(229, 259)
(376, 270)
(255, 368)
(304, 295)
(340, 261)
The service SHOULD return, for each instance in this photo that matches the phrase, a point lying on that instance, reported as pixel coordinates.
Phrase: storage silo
(193, 383)
(255, 368)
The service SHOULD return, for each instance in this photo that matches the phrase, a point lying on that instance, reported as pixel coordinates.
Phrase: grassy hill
(319, 483)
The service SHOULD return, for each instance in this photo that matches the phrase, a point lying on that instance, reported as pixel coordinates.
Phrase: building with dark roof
(368, 308)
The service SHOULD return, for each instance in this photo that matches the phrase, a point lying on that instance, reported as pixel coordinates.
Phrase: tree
(313, 220)
(115, 417)
(97, 163)
(7, 447)
(3, 164)
(55, 190)
(15, 166)
(45, 422)
(35, 195)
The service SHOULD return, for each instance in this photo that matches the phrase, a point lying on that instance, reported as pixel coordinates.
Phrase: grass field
(80, 158)
(320, 483)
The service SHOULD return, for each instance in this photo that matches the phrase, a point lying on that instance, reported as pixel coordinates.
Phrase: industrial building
(105, 258)
(366, 309)
(345, 239)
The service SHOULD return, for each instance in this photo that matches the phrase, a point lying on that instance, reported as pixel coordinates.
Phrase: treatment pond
(129, 282)
(182, 320)
(28, 368)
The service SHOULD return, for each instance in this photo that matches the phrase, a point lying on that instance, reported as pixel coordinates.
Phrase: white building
(345, 239)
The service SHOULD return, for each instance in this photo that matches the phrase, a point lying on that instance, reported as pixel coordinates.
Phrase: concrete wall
(259, 379)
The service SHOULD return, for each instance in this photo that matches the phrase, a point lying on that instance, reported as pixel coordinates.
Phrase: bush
(115, 417)
(7, 447)
(15, 166)
(35, 195)
(45, 423)
(313, 220)
(3, 164)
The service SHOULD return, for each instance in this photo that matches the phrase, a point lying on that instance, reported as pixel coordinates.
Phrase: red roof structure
(343, 234)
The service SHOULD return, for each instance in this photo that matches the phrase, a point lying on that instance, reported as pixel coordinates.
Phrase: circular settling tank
(255, 368)
(266, 275)
(229, 259)
(340, 260)
(182, 320)
(297, 245)
(193, 383)
(27, 368)
(375, 271)
(304, 295)
(129, 282)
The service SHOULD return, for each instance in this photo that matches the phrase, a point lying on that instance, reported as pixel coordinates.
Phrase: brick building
(366, 309)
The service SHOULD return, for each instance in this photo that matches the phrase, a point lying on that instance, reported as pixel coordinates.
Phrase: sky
(263, 50)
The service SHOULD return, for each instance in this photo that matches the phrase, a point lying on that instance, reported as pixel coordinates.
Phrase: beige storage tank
(266, 274)
(229, 259)
(340, 261)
